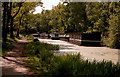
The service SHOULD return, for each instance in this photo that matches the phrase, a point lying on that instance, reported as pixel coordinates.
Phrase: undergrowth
(9, 44)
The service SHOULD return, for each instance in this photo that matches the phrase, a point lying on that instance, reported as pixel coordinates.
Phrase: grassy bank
(9, 44)
(44, 62)
(40, 57)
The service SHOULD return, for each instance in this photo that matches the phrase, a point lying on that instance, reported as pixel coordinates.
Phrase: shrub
(73, 66)
(39, 56)
(30, 38)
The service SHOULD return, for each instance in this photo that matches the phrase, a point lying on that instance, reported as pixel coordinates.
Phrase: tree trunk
(4, 23)
(12, 19)
(11, 24)
(11, 28)
(8, 19)
(18, 32)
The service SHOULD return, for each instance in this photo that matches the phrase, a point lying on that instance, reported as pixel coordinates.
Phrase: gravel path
(90, 53)
(12, 64)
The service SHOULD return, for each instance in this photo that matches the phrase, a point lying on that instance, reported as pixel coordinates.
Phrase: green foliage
(67, 65)
(114, 36)
(76, 16)
(8, 45)
(98, 19)
(61, 18)
(72, 65)
(20, 36)
(30, 38)
(15, 18)
(44, 62)
(37, 47)
(78, 19)
(106, 18)
(114, 28)
(39, 56)
(23, 18)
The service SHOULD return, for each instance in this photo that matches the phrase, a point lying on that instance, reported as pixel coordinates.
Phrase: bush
(67, 65)
(72, 65)
(34, 48)
(39, 56)
(30, 38)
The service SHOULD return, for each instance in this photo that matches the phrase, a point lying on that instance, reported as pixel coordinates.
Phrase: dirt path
(12, 63)
(90, 53)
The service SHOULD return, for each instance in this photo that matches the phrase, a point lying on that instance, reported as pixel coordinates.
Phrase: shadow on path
(17, 62)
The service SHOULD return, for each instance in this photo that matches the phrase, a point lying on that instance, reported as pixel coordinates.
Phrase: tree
(114, 22)
(18, 11)
(13, 15)
(12, 12)
(68, 18)
(25, 9)
(4, 21)
(78, 17)
(58, 18)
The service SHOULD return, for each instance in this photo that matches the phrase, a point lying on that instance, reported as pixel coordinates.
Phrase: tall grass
(44, 62)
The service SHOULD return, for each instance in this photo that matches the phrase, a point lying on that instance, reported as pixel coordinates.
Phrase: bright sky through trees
(47, 4)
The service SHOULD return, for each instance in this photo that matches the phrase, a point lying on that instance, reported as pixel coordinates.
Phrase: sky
(47, 4)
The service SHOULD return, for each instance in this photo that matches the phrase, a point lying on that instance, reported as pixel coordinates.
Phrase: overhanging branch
(18, 9)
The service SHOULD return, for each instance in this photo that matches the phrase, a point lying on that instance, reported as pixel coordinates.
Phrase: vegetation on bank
(30, 38)
(9, 44)
(44, 62)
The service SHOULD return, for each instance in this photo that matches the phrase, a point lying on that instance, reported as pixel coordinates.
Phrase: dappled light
(12, 63)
